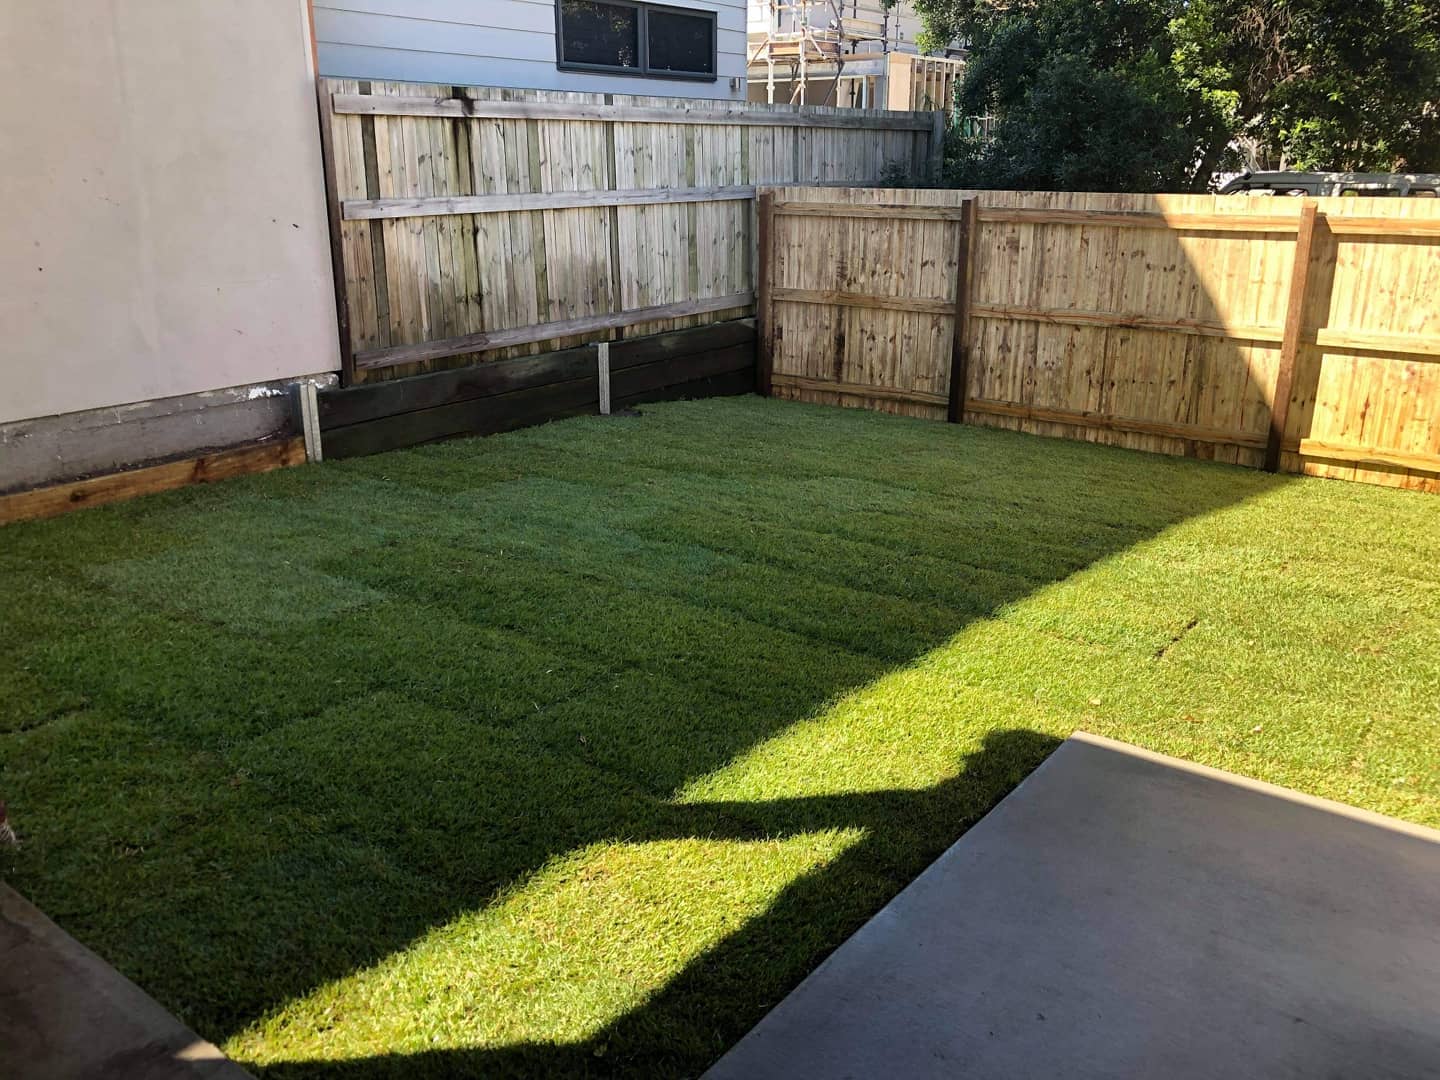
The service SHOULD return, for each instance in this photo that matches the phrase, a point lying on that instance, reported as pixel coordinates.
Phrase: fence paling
(470, 227)
(1295, 335)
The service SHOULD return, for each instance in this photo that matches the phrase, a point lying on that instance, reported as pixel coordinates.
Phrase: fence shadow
(1155, 322)
(496, 653)
(642, 1043)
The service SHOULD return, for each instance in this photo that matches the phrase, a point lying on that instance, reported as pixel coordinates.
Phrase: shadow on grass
(282, 730)
(757, 965)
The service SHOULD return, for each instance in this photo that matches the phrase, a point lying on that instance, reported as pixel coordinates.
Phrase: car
(1425, 185)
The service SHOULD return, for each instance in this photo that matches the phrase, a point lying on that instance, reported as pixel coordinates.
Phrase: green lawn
(576, 748)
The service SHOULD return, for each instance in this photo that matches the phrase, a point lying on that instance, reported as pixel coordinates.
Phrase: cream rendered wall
(165, 228)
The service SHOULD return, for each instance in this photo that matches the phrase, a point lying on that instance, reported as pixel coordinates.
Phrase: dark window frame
(643, 70)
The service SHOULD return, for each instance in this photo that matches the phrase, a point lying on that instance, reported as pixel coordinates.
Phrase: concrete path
(1124, 914)
(65, 1013)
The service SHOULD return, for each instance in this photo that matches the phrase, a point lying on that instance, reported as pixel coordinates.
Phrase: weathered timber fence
(1302, 335)
(474, 224)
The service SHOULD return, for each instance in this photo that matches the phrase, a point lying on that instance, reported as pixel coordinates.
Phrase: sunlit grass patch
(584, 941)
(575, 749)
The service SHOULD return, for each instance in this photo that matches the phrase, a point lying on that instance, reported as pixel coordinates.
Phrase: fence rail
(474, 224)
(1299, 335)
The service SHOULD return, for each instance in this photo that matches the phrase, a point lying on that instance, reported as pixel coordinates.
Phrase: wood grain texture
(1229, 222)
(1130, 320)
(446, 206)
(487, 340)
(1369, 455)
(1356, 225)
(62, 498)
(466, 225)
(885, 393)
(1076, 418)
(1290, 341)
(1149, 322)
(702, 112)
(841, 298)
(889, 211)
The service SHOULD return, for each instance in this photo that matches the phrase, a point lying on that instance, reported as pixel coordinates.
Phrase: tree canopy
(1151, 95)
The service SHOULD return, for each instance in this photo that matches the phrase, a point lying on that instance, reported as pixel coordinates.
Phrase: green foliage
(571, 751)
(1320, 84)
(1086, 98)
(1157, 95)
(1100, 132)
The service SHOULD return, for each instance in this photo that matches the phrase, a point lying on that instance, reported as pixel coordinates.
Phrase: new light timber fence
(474, 224)
(1301, 335)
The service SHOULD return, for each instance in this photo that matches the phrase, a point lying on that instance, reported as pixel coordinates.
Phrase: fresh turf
(576, 748)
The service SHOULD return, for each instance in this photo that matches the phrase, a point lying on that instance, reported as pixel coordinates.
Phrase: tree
(1087, 97)
(1148, 95)
(1319, 84)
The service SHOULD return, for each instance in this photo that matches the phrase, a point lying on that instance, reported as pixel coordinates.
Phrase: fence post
(764, 315)
(1290, 342)
(602, 372)
(959, 344)
(937, 147)
(309, 419)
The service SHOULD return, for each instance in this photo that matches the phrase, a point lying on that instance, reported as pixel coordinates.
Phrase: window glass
(605, 34)
(680, 42)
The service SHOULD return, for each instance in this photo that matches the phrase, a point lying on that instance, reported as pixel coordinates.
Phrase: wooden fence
(1298, 334)
(476, 224)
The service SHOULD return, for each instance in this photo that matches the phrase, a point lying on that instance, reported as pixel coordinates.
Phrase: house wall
(496, 43)
(166, 231)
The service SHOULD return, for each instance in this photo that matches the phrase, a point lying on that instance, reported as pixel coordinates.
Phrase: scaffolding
(815, 39)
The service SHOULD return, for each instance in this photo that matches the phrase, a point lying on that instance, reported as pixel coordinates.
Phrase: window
(635, 39)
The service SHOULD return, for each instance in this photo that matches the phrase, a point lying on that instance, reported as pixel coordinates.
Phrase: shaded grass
(577, 747)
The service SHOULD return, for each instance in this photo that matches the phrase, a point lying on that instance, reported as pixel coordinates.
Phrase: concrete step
(65, 1014)
(1124, 914)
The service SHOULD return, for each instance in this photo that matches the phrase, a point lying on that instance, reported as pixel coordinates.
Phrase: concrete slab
(1124, 914)
(66, 1014)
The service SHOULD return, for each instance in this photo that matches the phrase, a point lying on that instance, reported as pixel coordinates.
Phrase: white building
(684, 48)
(856, 53)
